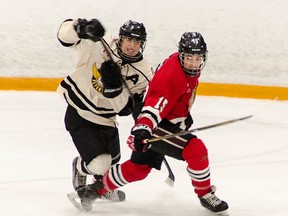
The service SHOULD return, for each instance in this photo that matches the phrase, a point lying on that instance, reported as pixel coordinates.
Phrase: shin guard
(120, 175)
(196, 156)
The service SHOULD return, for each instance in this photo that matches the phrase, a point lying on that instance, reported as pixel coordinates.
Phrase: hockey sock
(120, 175)
(196, 155)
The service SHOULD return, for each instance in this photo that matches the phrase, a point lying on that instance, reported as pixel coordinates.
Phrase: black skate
(211, 202)
(88, 194)
(114, 196)
(78, 180)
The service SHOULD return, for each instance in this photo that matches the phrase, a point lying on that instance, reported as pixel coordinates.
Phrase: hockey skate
(87, 195)
(78, 180)
(215, 205)
(114, 196)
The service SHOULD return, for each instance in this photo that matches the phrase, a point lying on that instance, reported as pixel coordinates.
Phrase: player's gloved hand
(91, 29)
(111, 79)
(188, 121)
(137, 141)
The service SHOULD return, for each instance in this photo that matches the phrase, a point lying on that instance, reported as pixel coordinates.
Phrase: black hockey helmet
(135, 30)
(192, 43)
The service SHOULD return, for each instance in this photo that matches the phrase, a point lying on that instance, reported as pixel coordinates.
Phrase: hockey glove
(111, 79)
(137, 141)
(188, 121)
(92, 29)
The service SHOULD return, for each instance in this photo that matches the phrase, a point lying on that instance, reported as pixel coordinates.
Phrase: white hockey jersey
(83, 88)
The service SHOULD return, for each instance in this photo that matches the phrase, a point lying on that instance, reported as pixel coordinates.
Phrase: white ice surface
(249, 160)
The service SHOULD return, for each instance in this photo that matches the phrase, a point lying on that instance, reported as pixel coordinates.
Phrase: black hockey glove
(92, 29)
(111, 79)
(137, 140)
(188, 121)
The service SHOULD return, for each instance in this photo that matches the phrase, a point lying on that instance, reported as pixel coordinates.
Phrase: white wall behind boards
(247, 39)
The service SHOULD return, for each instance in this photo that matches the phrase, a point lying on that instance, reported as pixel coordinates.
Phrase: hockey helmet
(134, 30)
(192, 43)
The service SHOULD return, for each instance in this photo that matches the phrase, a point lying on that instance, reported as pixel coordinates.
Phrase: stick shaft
(169, 136)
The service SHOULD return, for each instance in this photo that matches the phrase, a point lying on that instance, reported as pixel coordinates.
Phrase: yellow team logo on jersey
(96, 79)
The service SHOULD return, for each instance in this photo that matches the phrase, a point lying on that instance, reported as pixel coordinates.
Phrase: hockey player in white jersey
(109, 80)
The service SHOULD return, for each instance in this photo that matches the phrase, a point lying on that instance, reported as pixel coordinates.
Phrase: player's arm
(71, 31)
(113, 89)
(158, 102)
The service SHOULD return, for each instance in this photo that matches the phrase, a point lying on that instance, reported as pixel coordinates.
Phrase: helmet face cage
(192, 43)
(134, 30)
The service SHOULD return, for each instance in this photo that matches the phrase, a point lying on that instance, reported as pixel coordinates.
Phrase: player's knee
(195, 149)
(143, 171)
(100, 164)
(135, 172)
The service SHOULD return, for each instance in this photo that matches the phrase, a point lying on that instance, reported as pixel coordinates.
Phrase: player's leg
(135, 169)
(115, 195)
(93, 143)
(194, 152)
(196, 155)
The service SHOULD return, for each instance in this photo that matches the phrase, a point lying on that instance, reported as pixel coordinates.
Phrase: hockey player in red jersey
(166, 110)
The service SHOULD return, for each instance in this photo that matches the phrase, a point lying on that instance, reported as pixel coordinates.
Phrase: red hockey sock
(120, 175)
(196, 155)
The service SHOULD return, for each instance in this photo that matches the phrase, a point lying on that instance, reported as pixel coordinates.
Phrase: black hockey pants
(92, 139)
(172, 147)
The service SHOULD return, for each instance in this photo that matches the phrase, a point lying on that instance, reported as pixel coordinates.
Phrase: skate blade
(75, 200)
(222, 213)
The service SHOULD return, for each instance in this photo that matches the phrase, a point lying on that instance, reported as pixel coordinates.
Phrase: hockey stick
(108, 51)
(169, 136)
(171, 178)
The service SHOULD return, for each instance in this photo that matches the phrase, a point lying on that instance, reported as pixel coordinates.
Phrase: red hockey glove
(137, 141)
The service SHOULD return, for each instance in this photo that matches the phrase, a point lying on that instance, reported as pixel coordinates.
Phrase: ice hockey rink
(248, 160)
(247, 43)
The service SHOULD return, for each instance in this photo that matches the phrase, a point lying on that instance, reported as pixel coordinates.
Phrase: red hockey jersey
(170, 94)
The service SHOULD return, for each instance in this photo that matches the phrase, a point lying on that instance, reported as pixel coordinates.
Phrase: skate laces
(211, 202)
(112, 195)
(212, 199)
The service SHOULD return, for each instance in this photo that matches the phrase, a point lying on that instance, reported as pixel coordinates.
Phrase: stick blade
(170, 181)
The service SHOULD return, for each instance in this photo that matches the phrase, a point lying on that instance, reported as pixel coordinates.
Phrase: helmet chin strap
(192, 72)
